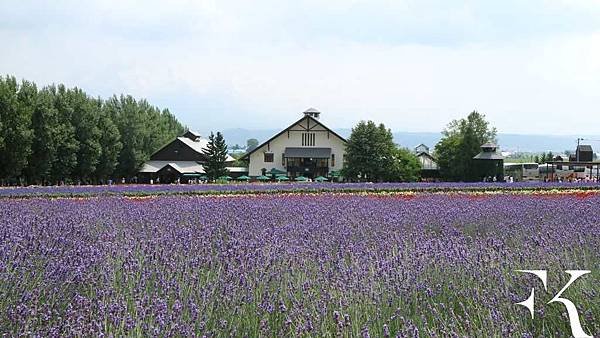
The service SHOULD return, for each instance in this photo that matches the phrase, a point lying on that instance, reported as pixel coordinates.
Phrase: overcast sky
(531, 66)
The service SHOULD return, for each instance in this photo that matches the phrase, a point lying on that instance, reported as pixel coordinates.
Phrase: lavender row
(141, 189)
(323, 265)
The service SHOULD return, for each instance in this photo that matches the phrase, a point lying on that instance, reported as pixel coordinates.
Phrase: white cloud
(216, 63)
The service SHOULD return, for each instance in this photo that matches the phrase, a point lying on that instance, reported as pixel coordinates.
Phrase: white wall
(277, 147)
(427, 163)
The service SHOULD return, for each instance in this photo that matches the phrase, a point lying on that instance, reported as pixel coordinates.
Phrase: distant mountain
(507, 142)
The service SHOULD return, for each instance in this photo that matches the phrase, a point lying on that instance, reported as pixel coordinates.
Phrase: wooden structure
(181, 160)
(490, 163)
(429, 166)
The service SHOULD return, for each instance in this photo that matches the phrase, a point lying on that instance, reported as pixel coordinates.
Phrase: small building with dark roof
(489, 162)
(584, 153)
(429, 166)
(180, 160)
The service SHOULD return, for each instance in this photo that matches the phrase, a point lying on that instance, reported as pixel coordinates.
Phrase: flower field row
(269, 188)
(429, 265)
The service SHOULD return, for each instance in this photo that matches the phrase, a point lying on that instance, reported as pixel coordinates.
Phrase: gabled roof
(423, 153)
(198, 146)
(585, 147)
(191, 133)
(183, 167)
(293, 124)
(488, 155)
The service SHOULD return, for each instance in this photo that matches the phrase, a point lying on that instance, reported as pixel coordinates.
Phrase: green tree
(216, 155)
(460, 142)
(65, 139)
(405, 166)
(536, 159)
(44, 123)
(543, 158)
(60, 134)
(251, 144)
(110, 146)
(130, 122)
(17, 103)
(143, 129)
(84, 119)
(370, 150)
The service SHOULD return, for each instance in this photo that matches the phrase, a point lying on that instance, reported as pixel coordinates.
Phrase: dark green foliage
(216, 153)
(371, 155)
(66, 144)
(251, 144)
(110, 146)
(405, 167)
(86, 112)
(143, 129)
(44, 123)
(16, 107)
(59, 134)
(461, 141)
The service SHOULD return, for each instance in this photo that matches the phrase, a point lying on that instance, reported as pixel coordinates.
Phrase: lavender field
(343, 264)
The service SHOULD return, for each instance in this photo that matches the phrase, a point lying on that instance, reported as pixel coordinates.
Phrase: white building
(306, 148)
(425, 158)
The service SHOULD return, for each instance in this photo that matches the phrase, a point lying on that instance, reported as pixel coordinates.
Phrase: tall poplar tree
(86, 112)
(44, 122)
(16, 106)
(110, 146)
(64, 135)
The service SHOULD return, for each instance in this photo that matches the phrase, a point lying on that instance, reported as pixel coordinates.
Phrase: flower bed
(269, 188)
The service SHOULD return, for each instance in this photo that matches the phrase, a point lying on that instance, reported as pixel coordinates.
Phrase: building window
(333, 160)
(308, 139)
(283, 159)
(268, 157)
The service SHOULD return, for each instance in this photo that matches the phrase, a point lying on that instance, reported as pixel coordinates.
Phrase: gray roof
(422, 153)
(184, 167)
(486, 155)
(199, 145)
(585, 147)
(247, 156)
(311, 110)
(308, 152)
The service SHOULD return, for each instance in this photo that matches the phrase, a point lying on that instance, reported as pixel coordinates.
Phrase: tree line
(371, 154)
(59, 135)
